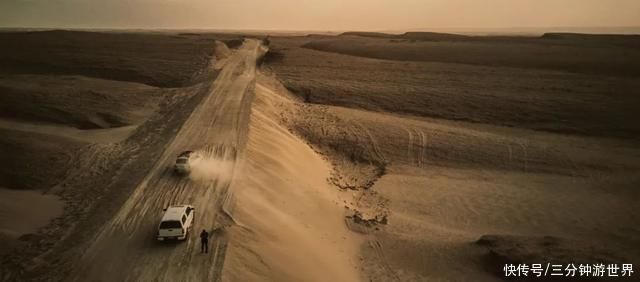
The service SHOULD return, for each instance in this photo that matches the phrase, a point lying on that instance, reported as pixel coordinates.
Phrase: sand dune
(440, 154)
(436, 204)
(445, 184)
(290, 220)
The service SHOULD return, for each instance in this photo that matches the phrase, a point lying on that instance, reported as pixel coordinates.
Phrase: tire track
(377, 248)
(124, 248)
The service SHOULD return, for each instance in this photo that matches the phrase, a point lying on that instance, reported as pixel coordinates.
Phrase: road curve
(124, 249)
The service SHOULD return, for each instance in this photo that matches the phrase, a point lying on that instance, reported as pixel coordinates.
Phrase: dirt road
(125, 249)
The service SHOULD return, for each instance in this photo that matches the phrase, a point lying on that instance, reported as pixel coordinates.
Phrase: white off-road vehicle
(186, 160)
(176, 223)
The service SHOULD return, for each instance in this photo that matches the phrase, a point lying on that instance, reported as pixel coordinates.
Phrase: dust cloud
(212, 169)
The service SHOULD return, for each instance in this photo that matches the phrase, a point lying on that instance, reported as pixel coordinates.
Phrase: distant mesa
(623, 40)
(415, 35)
(566, 35)
(437, 36)
(369, 34)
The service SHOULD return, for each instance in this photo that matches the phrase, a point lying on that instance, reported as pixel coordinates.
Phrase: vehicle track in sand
(125, 248)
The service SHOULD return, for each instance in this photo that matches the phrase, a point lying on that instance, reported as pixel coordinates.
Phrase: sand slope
(290, 220)
(445, 184)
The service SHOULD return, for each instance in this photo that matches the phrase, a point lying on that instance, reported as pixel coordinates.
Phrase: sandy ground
(444, 185)
(437, 213)
(111, 135)
(430, 181)
(125, 248)
(521, 96)
(23, 212)
(88, 139)
(40, 209)
(434, 212)
(596, 54)
(290, 223)
(156, 59)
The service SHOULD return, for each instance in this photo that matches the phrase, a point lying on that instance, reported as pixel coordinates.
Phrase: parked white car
(186, 160)
(176, 223)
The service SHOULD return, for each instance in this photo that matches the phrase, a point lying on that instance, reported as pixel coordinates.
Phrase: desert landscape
(357, 156)
(83, 133)
(458, 165)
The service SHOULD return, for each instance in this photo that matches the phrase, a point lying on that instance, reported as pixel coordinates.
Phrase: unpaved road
(125, 248)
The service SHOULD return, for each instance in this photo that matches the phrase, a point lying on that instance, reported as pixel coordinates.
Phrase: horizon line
(218, 29)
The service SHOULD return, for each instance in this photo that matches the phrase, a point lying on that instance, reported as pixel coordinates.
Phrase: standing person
(204, 241)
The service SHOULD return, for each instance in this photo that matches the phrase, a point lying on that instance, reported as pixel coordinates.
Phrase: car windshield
(170, 224)
(182, 161)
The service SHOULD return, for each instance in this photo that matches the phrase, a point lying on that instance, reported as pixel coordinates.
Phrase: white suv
(176, 223)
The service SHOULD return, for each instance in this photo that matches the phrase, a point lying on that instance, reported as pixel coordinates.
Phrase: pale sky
(318, 15)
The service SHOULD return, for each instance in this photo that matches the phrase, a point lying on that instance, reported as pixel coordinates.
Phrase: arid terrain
(355, 157)
(527, 143)
(82, 133)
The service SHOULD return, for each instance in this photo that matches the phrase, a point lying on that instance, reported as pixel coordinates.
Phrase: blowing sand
(290, 220)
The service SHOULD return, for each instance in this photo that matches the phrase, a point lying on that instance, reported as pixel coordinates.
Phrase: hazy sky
(318, 15)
